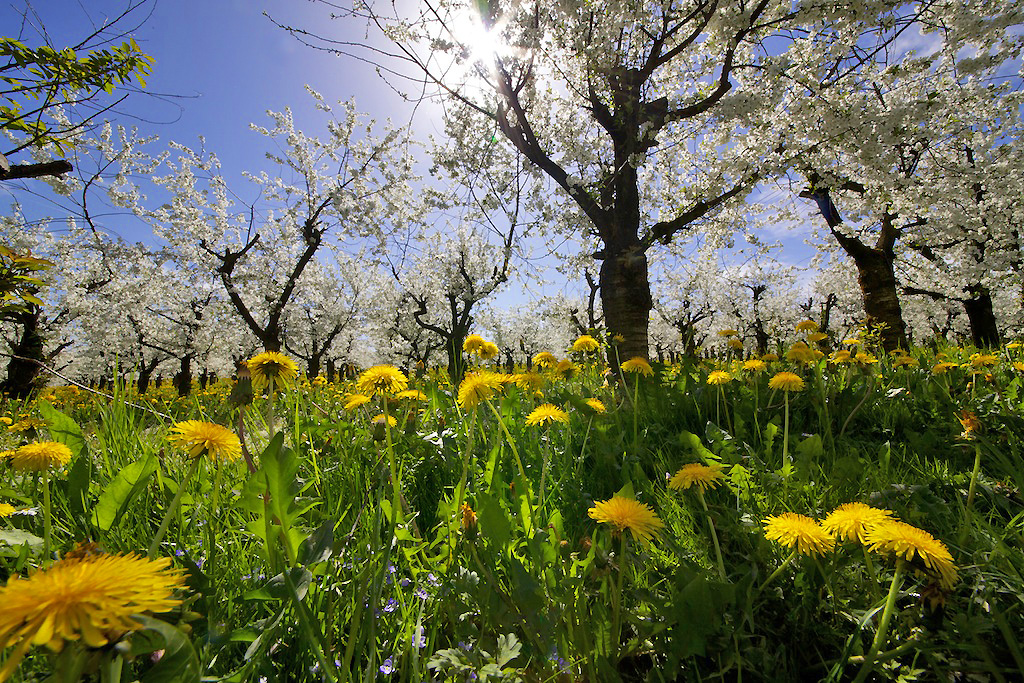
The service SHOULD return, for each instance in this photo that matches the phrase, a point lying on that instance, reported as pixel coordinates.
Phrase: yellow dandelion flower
(355, 400)
(736, 344)
(983, 360)
(545, 359)
(704, 476)
(841, 356)
(852, 341)
(915, 546)
(88, 596)
(817, 337)
(865, 358)
(546, 414)
(807, 326)
(565, 369)
(850, 521)
(907, 361)
(792, 530)
(618, 338)
(719, 377)
(786, 381)
(473, 343)
(970, 422)
(272, 370)
(755, 366)
(728, 333)
(40, 456)
(585, 344)
(197, 437)
(1013, 345)
(412, 395)
(379, 420)
(529, 380)
(637, 364)
(6, 510)
(1018, 366)
(770, 357)
(477, 387)
(801, 353)
(382, 379)
(489, 351)
(469, 521)
(597, 406)
(628, 514)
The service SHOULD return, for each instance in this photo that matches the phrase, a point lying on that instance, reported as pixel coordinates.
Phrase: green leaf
(811, 449)
(119, 493)
(17, 537)
(318, 547)
(493, 522)
(697, 446)
(179, 663)
(509, 648)
(277, 588)
(79, 479)
(62, 428)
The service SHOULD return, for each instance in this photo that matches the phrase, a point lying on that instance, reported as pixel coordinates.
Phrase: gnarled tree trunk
(23, 374)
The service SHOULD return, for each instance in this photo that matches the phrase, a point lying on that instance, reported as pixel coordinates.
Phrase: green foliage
(304, 569)
(35, 80)
(19, 283)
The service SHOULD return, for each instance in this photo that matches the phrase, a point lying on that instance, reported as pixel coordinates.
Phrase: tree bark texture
(627, 303)
(982, 318)
(24, 375)
(881, 301)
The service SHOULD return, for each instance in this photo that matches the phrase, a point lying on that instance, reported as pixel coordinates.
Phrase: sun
(480, 44)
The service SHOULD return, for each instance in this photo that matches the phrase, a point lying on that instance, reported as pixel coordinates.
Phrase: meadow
(824, 513)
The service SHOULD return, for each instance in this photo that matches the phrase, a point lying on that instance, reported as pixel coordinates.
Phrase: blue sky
(219, 66)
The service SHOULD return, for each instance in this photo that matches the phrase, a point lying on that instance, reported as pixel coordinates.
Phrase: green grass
(303, 571)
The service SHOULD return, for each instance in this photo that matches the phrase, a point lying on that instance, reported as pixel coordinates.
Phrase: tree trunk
(183, 379)
(456, 363)
(24, 375)
(313, 366)
(145, 375)
(627, 303)
(881, 302)
(332, 373)
(984, 331)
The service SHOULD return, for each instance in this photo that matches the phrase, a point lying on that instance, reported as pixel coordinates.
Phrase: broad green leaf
(62, 428)
(318, 547)
(493, 522)
(119, 493)
(179, 663)
(276, 588)
(79, 479)
(17, 537)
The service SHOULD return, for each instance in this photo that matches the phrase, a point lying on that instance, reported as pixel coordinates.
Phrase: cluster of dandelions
(876, 529)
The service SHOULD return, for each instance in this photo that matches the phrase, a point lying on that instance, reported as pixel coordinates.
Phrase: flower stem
(396, 490)
(974, 475)
(785, 434)
(714, 534)
(154, 545)
(883, 625)
(778, 570)
(519, 461)
(617, 604)
(47, 519)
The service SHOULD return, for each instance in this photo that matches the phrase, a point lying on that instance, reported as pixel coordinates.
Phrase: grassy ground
(344, 551)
